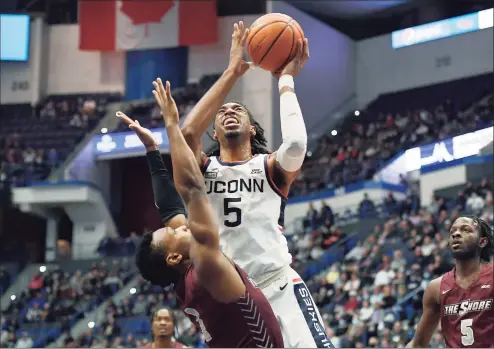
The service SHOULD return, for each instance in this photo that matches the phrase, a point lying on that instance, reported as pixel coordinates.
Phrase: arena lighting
(90, 324)
(42, 269)
(133, 290)
(334, 133)
(104, 130)
(12, 297)
(357, 113)
(309, 154)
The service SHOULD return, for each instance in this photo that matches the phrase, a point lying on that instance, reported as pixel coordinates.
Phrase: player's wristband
(286, 81)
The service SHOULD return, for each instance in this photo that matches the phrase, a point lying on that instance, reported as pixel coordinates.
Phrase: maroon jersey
(248, 322)
(467, 315)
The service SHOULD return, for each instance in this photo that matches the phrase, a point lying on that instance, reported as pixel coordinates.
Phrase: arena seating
(36, 140)
(58, 298)
(148, 113)
(392, 123)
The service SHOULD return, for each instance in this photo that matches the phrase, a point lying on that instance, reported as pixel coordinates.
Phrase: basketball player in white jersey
(248, 188)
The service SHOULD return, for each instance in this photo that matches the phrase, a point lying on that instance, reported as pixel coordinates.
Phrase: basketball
(272, 41)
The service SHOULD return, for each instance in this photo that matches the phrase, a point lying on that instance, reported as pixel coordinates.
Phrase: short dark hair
(151, 262)
(258, 142)
(172, 314)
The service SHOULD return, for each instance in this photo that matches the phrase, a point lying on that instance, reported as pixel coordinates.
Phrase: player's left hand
(163, 97)
(143, 133)
(294, 67)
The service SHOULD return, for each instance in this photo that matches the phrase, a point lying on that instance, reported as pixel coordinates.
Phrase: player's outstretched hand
(143, 133)
(163, 96)
(237, 63)
(294, 67)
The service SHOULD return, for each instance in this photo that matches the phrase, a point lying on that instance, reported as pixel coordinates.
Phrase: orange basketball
(272, 41)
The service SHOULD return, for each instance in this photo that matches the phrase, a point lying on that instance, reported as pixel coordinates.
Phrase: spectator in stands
(76, 121)
(191, 338)
(366, 207)
(34, 314)
(52, 158)
(36, 282)
(398, 263)
(390, 203)
(484, 188)
(110, 329)
(140, 306)
(475, 204)
(25, 341)
(48, 111)
(86, 339)
(461, 201)
(327, 215)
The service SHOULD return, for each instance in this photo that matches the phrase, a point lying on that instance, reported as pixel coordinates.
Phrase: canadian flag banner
(115, 25)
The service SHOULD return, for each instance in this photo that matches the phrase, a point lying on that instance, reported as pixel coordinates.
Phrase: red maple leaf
(145, 11)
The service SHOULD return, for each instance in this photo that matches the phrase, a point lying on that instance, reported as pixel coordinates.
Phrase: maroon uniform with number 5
(247, 323)
(467, 315)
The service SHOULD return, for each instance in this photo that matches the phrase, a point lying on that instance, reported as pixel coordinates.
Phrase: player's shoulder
(433, 289)
(435, 284)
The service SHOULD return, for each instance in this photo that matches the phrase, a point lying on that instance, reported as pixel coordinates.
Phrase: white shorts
(298, 316)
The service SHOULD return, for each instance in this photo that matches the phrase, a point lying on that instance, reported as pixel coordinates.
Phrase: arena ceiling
(349, 9)
(367, 18)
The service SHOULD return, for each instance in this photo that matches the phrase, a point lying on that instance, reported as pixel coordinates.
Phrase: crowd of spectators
(34, 141)
(149, 114)
(57, 299)
(363, 145)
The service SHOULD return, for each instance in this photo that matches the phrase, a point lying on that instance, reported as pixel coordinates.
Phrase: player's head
(161, 254)
(234, 122)
(471, 237)
(162, 323)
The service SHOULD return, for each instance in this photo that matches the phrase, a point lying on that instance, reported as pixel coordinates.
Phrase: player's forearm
(166, 197)
(186, 173)
(291, 153)
(203, 113)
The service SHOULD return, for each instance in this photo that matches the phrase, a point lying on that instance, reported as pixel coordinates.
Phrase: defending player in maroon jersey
(212, 291)
(462, 299)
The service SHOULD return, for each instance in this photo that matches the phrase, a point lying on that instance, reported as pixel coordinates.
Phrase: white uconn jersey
(250, 214)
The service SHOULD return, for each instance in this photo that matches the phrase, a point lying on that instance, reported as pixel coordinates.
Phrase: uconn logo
(251, 185)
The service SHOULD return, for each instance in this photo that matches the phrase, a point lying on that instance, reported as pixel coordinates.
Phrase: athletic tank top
(467, 315)
(248, 322)
(250, 213)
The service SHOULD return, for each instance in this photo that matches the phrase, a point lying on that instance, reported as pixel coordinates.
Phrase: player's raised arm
(169, 204)
(430, 316)
(289, 157)
(214, 271)
(203, 113)
(187, 175)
